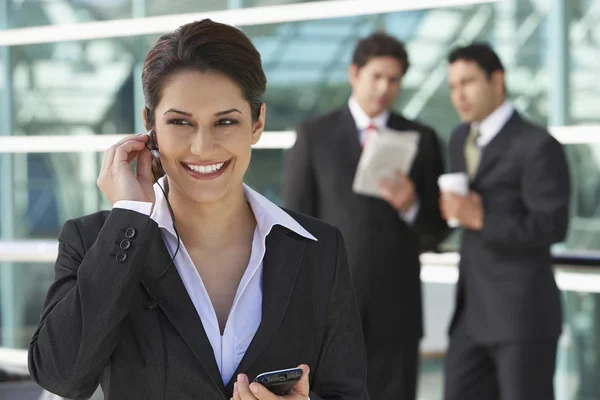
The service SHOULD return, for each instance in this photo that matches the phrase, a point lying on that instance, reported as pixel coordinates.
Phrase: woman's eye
(178, 122)
(227, 121)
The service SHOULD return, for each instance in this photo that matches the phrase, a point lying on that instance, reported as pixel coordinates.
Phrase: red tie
(368, 134)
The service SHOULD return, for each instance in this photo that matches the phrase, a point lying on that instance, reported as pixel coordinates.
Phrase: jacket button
(130, 233)
(125, 244)
(121, 256)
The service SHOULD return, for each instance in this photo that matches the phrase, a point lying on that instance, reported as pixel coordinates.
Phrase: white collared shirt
(246, 312)
(363, 121)
(493, 123)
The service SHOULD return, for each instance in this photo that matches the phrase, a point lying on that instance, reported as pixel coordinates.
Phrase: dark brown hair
(380, 44)
(481, 54)
(203, 46)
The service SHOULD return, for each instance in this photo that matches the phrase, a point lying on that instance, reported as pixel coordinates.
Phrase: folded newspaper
(386, 152)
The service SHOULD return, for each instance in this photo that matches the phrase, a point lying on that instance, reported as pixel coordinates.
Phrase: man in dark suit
(385, 235)
(504, 333)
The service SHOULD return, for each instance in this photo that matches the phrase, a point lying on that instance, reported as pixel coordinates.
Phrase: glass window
(22, 295)
(93, 87)
(58, 12)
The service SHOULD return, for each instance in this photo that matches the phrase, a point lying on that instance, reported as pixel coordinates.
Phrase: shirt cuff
(143, 207)
(411, 215)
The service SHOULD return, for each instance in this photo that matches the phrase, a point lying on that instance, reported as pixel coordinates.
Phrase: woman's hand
(242, 390)
(117, 181)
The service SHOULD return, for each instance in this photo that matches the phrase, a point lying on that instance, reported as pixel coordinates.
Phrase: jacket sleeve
(546, 192)
(90, 297)
(341, 370)
(299, 184)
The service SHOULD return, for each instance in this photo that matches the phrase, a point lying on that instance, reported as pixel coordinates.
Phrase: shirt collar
(493, 123)
(161, 213)
(361, 118)
(266, 213)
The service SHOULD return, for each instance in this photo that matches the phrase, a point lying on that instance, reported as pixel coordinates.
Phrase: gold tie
(472, 151)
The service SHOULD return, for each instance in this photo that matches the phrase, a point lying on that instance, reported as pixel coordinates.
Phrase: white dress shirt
(493, 124)
(246, 312)
(363, 121)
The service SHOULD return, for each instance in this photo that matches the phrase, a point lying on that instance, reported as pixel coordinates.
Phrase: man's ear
(497, 80)
(259, 125)
(353, 73)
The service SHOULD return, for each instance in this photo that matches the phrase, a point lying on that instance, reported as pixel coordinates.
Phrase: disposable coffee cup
(458, 183)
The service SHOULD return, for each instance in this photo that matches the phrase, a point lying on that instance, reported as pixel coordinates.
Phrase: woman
(190, 288)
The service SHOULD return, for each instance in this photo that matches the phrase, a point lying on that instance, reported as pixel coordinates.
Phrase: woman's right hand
(244, 390)
(117, 181)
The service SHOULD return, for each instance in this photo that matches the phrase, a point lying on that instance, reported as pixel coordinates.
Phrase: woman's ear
(259, 125)
(145, 112)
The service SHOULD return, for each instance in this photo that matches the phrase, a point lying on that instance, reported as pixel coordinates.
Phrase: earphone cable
(174, 228)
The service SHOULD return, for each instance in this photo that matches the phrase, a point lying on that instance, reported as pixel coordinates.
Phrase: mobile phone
(280, 382)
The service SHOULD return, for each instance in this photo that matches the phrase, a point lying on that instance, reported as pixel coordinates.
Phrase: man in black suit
(385, 235)
(504, 333)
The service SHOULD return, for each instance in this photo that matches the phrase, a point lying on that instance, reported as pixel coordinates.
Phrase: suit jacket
(383, 250)
(117, 315)
(506, 289)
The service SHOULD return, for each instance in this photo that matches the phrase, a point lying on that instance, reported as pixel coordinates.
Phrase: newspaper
(387, 152)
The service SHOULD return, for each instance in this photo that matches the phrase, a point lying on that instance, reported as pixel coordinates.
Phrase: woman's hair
(203, 46)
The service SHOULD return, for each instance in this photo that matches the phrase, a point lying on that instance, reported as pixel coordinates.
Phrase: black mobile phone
(280, 382)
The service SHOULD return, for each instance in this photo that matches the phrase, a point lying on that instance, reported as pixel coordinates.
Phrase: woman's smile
(206, 171)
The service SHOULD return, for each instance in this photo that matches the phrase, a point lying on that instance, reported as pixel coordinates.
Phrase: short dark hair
(203, 46)
(481, 54)
(380, 44)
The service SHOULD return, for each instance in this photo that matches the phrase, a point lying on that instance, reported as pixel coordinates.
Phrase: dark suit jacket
(97, 324)
(383, 250)
(506, 289)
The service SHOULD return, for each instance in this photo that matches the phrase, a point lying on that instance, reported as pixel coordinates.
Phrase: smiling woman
(241, 287)
(204, 137)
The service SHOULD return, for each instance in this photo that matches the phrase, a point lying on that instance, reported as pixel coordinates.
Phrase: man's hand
(468, 210)
(243, 390)
(400, 192)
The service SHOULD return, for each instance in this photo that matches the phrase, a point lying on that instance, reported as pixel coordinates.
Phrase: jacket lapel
(280, 267)
(170, 294)
(347, 140)
(457, 158)
(497, 147)
(396, 122)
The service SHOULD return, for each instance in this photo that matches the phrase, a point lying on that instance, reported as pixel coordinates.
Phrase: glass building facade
(550, 49)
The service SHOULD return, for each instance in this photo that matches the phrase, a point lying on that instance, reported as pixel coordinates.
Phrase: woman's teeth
(206, 169)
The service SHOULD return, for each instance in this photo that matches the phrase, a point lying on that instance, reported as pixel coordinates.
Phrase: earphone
(151, 146)
(154, 300)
